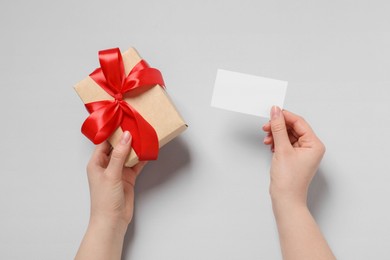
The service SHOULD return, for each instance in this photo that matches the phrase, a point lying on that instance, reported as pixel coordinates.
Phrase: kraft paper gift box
(153, 104)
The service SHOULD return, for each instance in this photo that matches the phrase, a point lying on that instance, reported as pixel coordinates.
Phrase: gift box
(127, 94)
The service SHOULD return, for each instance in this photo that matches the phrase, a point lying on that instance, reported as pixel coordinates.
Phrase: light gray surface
(207, 195)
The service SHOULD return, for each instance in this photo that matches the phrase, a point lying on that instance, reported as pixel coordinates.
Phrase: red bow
(107, 115)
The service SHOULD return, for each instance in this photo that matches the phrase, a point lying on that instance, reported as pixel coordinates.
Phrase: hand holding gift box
(126, 94)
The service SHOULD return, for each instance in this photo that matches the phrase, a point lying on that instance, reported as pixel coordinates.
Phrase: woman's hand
(111, 188)
(297, 153)
(111, 185)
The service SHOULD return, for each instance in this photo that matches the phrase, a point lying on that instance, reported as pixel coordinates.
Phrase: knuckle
(301, 121)
(300, 118)
(89, 167)
(278, 127)
(117, 154)
(322, 148)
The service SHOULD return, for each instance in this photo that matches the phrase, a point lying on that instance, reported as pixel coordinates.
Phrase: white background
(207, 195)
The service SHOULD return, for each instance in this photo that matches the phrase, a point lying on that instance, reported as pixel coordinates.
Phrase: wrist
(111, 226)
(287, 197)
(103, 240)
(282, 206)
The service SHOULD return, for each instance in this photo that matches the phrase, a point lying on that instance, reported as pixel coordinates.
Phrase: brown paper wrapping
(154, 105)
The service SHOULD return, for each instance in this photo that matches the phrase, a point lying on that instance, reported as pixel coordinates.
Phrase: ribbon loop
(107, 115)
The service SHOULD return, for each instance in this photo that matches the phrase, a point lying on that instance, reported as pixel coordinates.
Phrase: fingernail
(125, 137)
(275, 112)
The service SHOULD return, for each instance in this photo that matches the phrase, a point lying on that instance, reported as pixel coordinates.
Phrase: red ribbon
(107, 115)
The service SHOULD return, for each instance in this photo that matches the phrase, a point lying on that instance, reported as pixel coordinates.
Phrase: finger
(103, 148)
(139, 166)
(291, 131)
(297, 123)
(99, 156)
(268, 139)
(279, 130)
(267, 127)
(119, 155)
(292, 137)
(130, 174)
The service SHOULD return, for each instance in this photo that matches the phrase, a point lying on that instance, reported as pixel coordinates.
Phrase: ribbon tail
(145, 141)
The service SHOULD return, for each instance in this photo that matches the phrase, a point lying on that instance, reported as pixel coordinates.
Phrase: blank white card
(247, 94)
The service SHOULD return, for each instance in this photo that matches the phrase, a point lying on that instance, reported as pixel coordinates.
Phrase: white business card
(247, 94)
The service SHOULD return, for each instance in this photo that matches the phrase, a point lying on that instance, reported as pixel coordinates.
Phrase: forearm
(103, 240)
(300, 237)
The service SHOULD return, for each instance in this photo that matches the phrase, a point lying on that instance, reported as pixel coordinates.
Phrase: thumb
(279, 130)
(119, 155)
